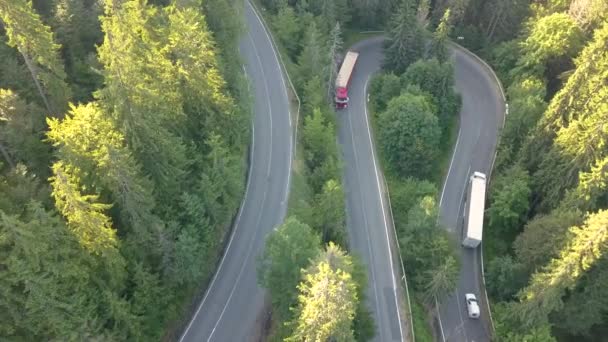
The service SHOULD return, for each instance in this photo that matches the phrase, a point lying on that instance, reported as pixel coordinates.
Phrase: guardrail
(407, 291)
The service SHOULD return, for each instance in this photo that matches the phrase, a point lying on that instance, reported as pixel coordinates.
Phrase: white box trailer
(475, 205)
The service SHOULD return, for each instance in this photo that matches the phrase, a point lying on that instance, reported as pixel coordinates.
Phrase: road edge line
(284, 72)
(373, 148)
(235, 226)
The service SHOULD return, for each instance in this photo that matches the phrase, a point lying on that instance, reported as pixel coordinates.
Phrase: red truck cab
(343, 79)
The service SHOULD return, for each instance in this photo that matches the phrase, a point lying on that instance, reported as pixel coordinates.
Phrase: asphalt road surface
(233, 304)
(481, 117)
(369, 227)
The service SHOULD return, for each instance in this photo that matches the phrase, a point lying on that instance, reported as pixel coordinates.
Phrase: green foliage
(509, 200)
(129, 97)
(585, 306)
(384, 87)
(165, 126)
(526, 106)
(409, 135)
(320, 150)
(439, 46)
(551, 36)
(544, 293)
(41, 264)
(88, 140)
(436, 79)
(18, 187)
(329, 214)
(78, 30)
(429, 256)
(544, 237)
(588, 14)
(555, 71)
(35, 42)
(328, 299)
(288, 29)
(288, 250)
(504, 276)
(363, 324)
(312, 59)
(405, 42)
(406, 193)
(334, 45)
(21, 125)
(571, 128)
(442, 280)
(509, 331)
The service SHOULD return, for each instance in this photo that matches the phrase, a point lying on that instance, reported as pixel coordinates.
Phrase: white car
(472, 305)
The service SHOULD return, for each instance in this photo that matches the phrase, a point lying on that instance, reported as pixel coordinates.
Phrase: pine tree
(34, 40)
(441, 281)
(288, 250)
(88, 138)
(78, 31)
(334, 47)
(20, 133)
(327, 300)
(439, 46)
(87, 219)
(141, 92)
(544, 293)
(46, 280)
(405, 42)
(572, 127)
(206, 103)
(312, 59)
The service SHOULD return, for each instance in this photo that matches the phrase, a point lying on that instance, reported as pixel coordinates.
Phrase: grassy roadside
(352, 36)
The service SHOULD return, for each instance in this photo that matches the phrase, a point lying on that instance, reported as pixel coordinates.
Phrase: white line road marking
(460, 314)
(439, 317)
(236, 227)
(369, 248)
(292, 137)
(265, 191)
(450, 168)
(238, 278)
(388, 243)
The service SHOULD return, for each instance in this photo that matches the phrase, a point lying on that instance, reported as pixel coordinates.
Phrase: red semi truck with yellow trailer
(343, 79)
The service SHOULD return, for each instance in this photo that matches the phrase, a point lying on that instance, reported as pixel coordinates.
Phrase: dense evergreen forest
(124, 126)
(123, 134)
(547, 219)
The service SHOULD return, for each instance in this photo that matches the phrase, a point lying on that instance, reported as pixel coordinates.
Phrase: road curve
(369, 226)
(481, 118)
(232, 305)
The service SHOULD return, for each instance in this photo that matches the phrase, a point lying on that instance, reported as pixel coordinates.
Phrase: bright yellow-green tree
(327, 300)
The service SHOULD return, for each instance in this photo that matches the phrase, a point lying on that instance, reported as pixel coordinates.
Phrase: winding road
(370, 230)
(370, 234)
(233, 304)
(481, 118)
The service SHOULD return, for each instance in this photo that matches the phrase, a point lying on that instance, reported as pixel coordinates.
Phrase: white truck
(474, 209)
